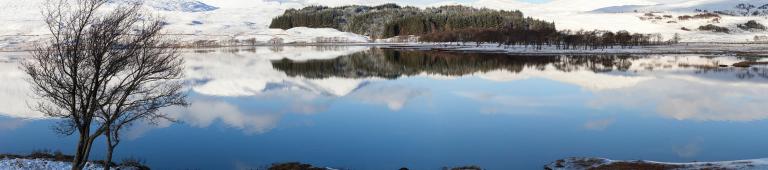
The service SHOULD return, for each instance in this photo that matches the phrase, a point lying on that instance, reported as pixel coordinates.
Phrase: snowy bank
(602, 163)
(45, 160)
(681, 48)
(45, 164)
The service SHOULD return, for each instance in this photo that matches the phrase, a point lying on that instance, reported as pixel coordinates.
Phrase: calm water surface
(370, 108)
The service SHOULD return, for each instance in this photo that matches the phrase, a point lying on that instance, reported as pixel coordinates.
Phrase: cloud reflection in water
(254, 91)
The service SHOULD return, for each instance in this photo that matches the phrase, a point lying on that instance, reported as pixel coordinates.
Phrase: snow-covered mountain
(191, 20)
(687, 18)
(733, 7)
(174, 5)
(226, 20)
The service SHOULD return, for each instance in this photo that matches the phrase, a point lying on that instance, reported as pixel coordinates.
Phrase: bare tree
(676, 38)
(103, 70)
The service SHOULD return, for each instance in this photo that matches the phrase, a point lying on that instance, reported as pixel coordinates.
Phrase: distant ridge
(173, 5)
(726, 7)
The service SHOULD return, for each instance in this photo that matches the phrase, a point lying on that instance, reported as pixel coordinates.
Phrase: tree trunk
(83, 151)
(108, 160)
(110, 150)
(84, 145)
(76, 163)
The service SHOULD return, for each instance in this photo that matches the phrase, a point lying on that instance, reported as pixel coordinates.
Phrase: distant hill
(725, 7)
(173, 5)
(391, 20)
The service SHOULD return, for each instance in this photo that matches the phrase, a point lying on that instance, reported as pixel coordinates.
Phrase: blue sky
(415, 2)
(434, 1)
(535, 1)
(465, 1)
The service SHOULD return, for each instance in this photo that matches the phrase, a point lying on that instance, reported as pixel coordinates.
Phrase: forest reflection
(393, 64)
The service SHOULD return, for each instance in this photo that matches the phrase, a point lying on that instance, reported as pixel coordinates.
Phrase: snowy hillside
(687, 17)
(602, 163)
(220, 21)
(216, 20)
(740, 7)
(616, 15)
(174, 5)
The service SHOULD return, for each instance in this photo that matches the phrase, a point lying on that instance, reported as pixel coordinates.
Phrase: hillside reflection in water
(371, 108)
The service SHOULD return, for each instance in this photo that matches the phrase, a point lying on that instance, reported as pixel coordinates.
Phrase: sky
(531, 6)
(536, 5)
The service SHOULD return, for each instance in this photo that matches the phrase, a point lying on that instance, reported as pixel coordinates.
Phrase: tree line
(394, 64)
(391, 20)
(460, 24)
(537, 37)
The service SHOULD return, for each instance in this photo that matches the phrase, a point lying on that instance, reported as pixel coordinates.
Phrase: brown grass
(41, 154)
(635, 166)
(749, 63)
(472, 167)
(293, 166)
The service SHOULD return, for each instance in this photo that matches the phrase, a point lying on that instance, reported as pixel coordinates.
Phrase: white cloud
(583, 78)
(11, 124)
(15, 92)
(689, 150)
(555, 6)
(499, 103)
(203, 113)
(600, 124)
(249, 73)
(395, 97)
(691, 99)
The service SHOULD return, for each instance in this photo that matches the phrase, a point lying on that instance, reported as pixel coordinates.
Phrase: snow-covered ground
(588, 163)
(667, 26)
(223, 21)
(616, 15)
(188, 21)
(44, 164)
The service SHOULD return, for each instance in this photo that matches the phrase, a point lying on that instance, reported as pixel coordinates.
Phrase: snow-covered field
(589, 163)
(189, 21)
(246, 21)
(43, 164)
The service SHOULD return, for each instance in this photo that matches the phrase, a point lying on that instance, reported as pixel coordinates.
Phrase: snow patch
(172, 5)
(43, 164)
(588, 163)
(684, 6)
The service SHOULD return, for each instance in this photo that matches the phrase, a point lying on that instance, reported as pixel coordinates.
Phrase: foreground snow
(589, 163)
(43, 164)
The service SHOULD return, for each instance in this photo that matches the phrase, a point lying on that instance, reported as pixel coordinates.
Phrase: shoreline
(574, 163)
(45, 159)
(682, 48)
(594, 163)
(704, 48)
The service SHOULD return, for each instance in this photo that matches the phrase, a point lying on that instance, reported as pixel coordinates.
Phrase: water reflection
(307, 79)
(364, 105)
(14, 91)
(8, 124)
(392, 64)
(679, 86)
